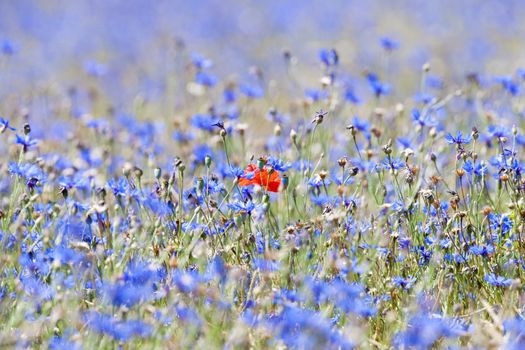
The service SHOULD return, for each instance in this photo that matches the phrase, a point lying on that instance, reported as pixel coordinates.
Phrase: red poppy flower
(267, 178)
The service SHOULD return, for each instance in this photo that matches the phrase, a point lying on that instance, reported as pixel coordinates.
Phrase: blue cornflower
(205, 79)
(323, 199)
(498, 131)
(4, 125)
(480, 169)
(204, 121)
(392, 163)
(377, 86)
(229, 95)
(468, 166)
(329, 57)
(424, 98)
(26, 170)
(119, 330)
(389, 44)
(404, 283)
(423, 332)
(251, 91)
(458, 139)
(186, 281)
(520, 72)
(61, 343)
(515, 332)
(200, 151)
(509, 85)
(266, 265)
(318, 181)
(351, 96)
(316, 95)
(188, 315)
(422, 120)
(497, 281)
(120, 187)
(242, 207)
(7, 47)
(481, 250)
(95, 68)
(361, 124)
(306, 329)
(278, 164)
(182, 137)
(26, 141)
(434, 82)
(200, 62)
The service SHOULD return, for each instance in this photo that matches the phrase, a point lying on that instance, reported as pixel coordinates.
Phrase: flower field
(237, 175)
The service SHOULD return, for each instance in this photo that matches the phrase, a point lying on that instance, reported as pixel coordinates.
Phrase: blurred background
(130, 47)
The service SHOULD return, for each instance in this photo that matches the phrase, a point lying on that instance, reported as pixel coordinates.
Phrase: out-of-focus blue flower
(95, 68)
(186, 281)
(206, 79)
(351, 96)
(316, 95)
(389, 44)
(392, 163)
(242, 207)
(497, 281)
(423, 331)
(404, 283)
(266, 265)
(120, 187)
(61, 343)
(515, 328)
(278, 164)
(4, 125)
(251, 91)
(328, 57)
(201, 62)
(305, 329)
(26, 141)
(422, 120)
(379, 89)
(122, 330)
(458, 139)
(204, 122)
(7, 47)
(509, 85)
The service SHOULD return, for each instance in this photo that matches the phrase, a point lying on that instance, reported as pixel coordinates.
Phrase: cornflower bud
(200, 184)
(284, 181)
(293, 136)
(261, 162)
(388, 147)
(277, 130)
(138, 172)
(157, 172)
(475, 133)
(319, 117)
(27, 129)
(352, 129)
(207, 161)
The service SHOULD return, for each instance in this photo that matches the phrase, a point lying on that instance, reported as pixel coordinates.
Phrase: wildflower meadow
(262, 175)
